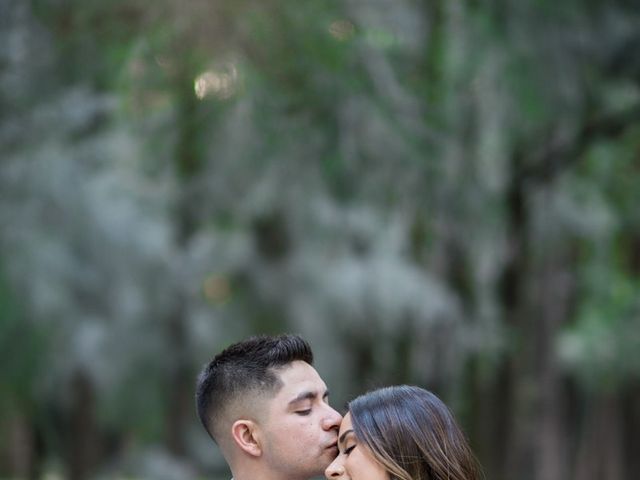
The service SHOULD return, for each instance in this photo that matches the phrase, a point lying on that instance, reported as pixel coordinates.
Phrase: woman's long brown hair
(413, 435)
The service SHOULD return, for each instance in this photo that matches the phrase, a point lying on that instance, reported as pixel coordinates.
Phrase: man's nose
(332, 419)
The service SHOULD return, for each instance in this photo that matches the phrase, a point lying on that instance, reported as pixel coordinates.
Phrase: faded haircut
(245, 367)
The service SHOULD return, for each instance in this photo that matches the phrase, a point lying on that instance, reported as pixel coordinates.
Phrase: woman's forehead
(346, 424)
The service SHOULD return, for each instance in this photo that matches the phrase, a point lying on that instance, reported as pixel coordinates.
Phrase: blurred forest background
(437, 192)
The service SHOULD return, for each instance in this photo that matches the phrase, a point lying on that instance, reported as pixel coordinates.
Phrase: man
(267, 409)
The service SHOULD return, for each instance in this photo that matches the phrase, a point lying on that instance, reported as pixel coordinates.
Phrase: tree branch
(559, 155)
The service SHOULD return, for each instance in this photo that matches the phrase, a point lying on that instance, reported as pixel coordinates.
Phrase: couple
(268, 410)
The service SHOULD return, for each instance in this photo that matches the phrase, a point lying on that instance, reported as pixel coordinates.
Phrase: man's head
(267, 408)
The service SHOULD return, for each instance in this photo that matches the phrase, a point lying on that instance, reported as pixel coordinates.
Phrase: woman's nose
(334, 470)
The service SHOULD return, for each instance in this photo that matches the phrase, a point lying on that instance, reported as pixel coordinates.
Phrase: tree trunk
(631, 438)
(21, 454)
(188, 162)
(600, 453)
(180, 405)
(555, 298)
(511, 385)
(83, 437)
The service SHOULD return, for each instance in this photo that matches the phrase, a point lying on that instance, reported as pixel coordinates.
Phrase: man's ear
(246, 434)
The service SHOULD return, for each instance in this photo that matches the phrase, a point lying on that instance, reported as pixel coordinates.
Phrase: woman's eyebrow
(344, 435)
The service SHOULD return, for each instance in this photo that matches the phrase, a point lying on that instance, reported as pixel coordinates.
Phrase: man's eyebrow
(309, 395)
(344, 435)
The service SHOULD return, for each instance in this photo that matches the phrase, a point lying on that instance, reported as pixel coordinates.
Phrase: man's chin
(329, 456)
(332, 452)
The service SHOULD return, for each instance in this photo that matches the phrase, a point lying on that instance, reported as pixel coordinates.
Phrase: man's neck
(247, 473)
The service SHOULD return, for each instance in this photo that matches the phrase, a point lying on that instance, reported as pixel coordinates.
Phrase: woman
(401, 433)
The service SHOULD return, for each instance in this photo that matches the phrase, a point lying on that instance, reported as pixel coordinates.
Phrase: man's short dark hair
(246, 366)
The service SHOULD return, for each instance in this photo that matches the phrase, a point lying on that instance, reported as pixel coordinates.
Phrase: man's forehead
(298, 378)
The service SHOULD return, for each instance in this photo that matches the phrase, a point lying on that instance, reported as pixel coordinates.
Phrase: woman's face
(354, 461)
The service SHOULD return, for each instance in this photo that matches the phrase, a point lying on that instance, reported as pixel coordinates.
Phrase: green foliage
(23, 354)
(93, 38)
(135, 405)
(205, 170)
(603, 346)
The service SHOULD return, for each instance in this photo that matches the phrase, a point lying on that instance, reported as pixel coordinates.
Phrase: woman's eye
(304, 412)
(347, 450)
